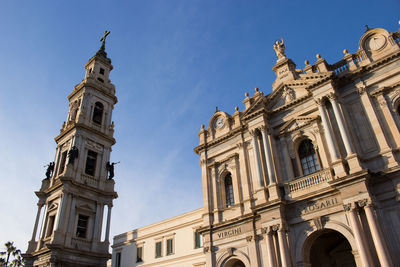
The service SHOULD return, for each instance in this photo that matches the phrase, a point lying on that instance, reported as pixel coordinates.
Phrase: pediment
(285, 95)
(257, 105)
(297, 123)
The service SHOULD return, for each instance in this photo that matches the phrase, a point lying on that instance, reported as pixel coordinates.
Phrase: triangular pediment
(259, 104)
(297, 123)
(285, 95)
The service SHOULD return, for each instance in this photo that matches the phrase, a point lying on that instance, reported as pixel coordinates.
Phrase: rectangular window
(139, 254)
(170, 246)
(158, 249)
(62, 162)
(118, 259)
(50, 226)
(91, 162)
(82, 226)
(101, 71)
(197, 240)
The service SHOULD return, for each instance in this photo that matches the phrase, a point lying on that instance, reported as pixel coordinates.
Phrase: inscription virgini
(231, 232)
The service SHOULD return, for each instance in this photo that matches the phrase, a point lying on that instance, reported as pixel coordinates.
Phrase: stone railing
(396, 38)
(89, 180)
(309, 181)
(80, 243)
(340, 67)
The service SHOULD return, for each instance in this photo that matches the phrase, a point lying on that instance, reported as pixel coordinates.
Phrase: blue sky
(174, 62)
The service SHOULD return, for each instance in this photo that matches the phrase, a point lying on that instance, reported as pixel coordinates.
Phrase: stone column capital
(332, 96)
(349, 207)
(364, 203)
(319, 101)
(361, 87)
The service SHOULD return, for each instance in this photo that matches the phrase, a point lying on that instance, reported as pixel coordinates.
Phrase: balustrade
(310, 180)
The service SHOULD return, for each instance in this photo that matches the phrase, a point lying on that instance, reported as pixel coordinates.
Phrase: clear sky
(174, 62)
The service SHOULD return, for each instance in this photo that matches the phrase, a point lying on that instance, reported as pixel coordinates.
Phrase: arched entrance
(328, 248)
(234, 263)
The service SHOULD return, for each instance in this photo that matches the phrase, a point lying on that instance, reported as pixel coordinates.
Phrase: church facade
(307, 175)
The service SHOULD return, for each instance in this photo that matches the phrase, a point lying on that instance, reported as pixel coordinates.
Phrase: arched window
(308, 157)
(229, 190)
(98, 112)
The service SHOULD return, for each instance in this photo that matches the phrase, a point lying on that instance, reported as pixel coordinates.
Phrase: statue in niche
(110, 169)
(72, 154)
(50, 170)
(74, 110)
(279, 48)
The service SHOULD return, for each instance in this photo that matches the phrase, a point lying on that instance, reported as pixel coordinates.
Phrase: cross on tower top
(103, 40)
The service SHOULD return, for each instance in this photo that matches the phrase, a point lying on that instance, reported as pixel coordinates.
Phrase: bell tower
(77, 191)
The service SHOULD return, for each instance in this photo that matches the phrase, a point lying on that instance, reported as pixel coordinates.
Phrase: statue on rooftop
(279, 48)
(50, 170)
(110, 169)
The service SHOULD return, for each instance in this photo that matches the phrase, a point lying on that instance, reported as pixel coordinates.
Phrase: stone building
(77, 188)
(307, 175)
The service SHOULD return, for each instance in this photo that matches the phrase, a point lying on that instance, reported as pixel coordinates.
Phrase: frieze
(314, 206)
(228, 233)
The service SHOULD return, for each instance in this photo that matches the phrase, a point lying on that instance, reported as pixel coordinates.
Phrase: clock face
(219, 122)
(375, 42)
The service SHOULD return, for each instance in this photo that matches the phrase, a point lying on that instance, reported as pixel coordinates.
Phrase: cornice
(293, 103)
(229, 135)
(385, 89)
(86, 127)
(88, 82)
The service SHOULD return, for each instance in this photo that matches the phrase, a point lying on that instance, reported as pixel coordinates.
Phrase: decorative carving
(347, 207)
(361, 87)
(288, 94)
(249, 238)
(332, 96)
(206, 249)
(275, 227)
(362, 203)
(279, 48)
(319, 101)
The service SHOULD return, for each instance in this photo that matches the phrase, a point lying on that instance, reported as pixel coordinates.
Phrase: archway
(329, 248)
(234, 263)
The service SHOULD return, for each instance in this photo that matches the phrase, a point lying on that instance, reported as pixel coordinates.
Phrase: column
(108, 223)
(283, 248)
(72, 215)
(36, 222)
(342, 127)
(286, 157)
(327, 130)
(373, 118)
(42, 231)
(257, 159)
(60, 212)
(243, 171)
(395, 132)
(359, 235)
(380, 245)
(270, 249)
(268, 155)
(206, 184)
(98, 222)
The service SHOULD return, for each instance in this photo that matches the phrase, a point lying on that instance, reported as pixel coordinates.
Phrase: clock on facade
(375, 42)
(219, 122)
